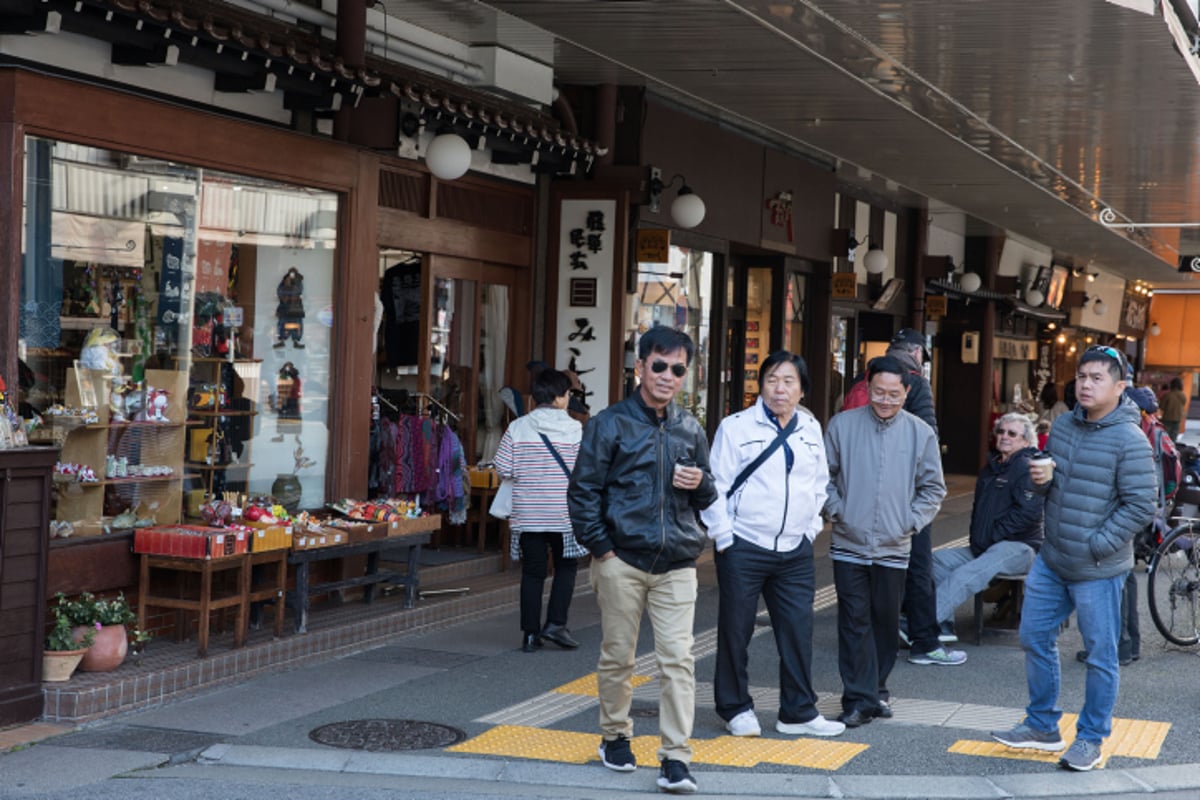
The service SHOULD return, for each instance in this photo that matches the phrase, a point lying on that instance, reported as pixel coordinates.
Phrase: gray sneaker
(941, 656)
(1081, 756)
(1024, 737)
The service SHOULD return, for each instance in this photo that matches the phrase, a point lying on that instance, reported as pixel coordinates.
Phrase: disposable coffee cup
(683, 463)
(1045, 462)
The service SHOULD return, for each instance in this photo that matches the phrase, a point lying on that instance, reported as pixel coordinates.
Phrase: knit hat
(1143, 396)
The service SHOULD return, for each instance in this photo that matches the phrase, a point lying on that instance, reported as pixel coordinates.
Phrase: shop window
(177, 325)
(679, 294)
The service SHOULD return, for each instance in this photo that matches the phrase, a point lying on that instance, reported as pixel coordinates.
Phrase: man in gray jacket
(1100, 490)
(885, 485)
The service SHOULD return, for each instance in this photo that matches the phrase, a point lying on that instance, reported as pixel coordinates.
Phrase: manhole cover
(386, 735)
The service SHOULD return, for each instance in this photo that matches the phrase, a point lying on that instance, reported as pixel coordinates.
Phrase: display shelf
(215, 360)
(106, 426)
(222, 413)
(202, 467)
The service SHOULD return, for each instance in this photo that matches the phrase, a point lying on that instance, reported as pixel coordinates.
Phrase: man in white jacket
(768, 463)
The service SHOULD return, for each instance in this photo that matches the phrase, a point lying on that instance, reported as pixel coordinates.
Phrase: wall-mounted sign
(653, 246)
(585, 269)
(1014, 349)
(935, 306)
(845, 285)
(780, 207)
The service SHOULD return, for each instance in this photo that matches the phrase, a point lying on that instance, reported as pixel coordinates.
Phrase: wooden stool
(1016, 586)
(205, 603)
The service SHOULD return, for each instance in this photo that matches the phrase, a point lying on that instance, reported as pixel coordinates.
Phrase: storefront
(195, 308)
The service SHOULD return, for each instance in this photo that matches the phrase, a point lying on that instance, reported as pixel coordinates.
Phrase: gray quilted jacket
(1103, 493)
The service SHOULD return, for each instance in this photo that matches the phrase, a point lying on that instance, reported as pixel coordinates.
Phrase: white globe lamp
(1100, 309)
(970, 282)
(1034, 297)
(448, 156)
(875, 261)
(687, 209)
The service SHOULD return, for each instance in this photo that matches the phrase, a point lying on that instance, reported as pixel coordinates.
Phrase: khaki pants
(623, 593)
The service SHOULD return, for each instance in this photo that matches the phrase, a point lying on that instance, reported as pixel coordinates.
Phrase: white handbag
(501, 506)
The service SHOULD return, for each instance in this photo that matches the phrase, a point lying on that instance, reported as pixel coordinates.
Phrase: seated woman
(1006, 523)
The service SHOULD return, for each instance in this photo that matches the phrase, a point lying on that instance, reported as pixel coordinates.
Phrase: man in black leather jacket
(639, 482)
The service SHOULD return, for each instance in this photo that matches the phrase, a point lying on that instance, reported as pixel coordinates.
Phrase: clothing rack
(432, 400)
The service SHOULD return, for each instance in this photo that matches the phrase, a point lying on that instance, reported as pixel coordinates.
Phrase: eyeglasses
(678, 370)
(887, 398)
(1011, 434)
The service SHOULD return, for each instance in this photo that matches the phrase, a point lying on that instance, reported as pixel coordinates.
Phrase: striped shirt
(539, 501)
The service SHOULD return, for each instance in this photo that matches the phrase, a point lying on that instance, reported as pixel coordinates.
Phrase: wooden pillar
(12, 187)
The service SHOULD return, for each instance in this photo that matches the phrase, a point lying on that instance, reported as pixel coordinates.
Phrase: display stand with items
(221, 411)
(125, 469)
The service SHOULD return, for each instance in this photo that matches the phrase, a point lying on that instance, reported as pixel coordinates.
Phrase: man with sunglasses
(1100, 491)
(639, 483)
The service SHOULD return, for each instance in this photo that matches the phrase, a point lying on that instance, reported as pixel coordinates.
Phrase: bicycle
(1173, 585)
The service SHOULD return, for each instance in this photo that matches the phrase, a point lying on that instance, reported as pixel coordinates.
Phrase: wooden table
(205, 603)
(368, 580)
(276, 590)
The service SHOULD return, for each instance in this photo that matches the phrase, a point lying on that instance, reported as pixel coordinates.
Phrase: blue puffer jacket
(1103, 493)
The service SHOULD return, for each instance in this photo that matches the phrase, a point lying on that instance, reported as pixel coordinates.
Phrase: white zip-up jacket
(774, 509)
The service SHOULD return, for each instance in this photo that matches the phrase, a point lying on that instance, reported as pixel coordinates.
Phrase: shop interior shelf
(203, 467)
(222, 413)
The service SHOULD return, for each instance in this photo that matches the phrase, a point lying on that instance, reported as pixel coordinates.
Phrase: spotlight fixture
(687, 209)
(1050, 326)
(1061, 339)
(1077, 272)
(1091, 276)
(1154, 329)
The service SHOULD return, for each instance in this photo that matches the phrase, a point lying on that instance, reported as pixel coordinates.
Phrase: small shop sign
(653, 246)
(1014, 349)
(845, 285)
(935, 306)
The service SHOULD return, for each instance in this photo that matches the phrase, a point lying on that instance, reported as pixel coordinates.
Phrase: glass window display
(679, 294)
(177, 323)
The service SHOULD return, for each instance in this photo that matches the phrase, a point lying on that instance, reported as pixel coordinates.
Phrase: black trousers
(786, 582)
(535, 549)
(920, 595)
(868, 613)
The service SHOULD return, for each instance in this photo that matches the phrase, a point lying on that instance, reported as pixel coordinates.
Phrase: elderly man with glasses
(885, 485)
(639, 483)
(1006, 523)
(1100, 491)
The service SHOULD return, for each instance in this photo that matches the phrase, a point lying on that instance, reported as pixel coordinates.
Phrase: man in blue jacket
(639, 483)
(1100, 491)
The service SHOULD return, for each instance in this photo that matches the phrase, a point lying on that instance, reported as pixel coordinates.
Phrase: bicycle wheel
(1173, 585)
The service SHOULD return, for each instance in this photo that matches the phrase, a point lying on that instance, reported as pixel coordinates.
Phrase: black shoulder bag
(764, 455)
(554, 453)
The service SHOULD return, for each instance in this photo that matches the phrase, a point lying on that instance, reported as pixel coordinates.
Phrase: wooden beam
(408, 231)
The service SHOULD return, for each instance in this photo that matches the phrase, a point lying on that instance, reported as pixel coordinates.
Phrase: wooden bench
(1016, 584)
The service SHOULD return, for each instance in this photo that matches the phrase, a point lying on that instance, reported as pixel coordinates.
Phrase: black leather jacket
(621, 498)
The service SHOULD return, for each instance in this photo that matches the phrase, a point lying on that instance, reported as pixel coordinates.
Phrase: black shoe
(856, 718)
(674, 777)
(560, 636)
(884, 711)
(616, 754)
(531, 643)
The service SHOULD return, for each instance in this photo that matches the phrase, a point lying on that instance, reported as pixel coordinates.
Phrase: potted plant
(63, 653)
(107, 618)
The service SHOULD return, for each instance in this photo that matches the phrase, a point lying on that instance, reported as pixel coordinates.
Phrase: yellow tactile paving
(517, 741)
(587, 686)
(28, 734)
(1130, 738)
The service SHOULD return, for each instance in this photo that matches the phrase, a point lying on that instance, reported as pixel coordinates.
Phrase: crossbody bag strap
(554, 453)
(764, 455)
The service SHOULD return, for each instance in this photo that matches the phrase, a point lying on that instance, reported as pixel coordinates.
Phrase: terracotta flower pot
(59, 665)
(108, 649)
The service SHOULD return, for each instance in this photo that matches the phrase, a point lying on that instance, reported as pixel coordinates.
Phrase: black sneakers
(617, 754)
(674, 777)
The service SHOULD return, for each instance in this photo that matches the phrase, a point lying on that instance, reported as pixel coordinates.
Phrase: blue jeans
(1049, 600)
(958, 574)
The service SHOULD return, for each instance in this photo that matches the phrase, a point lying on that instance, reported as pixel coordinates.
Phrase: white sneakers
(744, 724)
(817, 726)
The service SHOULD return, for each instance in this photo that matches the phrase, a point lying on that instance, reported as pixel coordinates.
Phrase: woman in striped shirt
(537, 453)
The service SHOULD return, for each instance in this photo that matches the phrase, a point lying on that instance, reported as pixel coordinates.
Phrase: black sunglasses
(678, 370)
